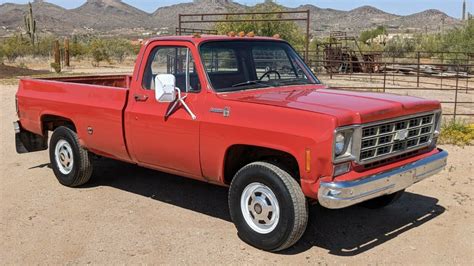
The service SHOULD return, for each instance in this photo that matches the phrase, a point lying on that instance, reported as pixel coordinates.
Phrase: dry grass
(457, 133)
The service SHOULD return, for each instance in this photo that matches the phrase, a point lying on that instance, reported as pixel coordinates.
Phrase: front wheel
(267, 206)
(70, 162)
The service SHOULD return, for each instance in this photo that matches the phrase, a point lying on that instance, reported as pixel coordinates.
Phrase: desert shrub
(370, 34)
(459, 39)
(99, 51)
(118, 49)
(400, 46)
(457, 133)
(2, 54)
(22, 65)
(78, 47)
(15, 47)
(56, 67)
(44, 46)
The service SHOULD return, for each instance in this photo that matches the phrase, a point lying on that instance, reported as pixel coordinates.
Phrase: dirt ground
(128, 214)
(9, 71)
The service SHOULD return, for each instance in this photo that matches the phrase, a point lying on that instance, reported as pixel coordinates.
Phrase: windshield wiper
(297, 81)
(250, 82)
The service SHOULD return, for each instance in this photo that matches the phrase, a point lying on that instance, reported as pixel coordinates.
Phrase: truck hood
(349, 107)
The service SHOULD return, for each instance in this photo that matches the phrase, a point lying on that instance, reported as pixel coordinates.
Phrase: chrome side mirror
(165, 91)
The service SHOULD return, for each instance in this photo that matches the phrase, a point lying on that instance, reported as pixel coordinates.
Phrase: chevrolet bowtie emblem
(401, 134)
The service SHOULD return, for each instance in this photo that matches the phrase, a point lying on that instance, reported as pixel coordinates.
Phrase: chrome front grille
(390, 138)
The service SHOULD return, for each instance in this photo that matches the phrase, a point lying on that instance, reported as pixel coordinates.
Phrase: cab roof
(205, 38)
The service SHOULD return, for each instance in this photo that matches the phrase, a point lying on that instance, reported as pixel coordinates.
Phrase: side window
(172, 60)
(220, 60)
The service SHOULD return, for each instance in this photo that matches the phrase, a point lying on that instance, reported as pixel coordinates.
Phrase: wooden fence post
(456, 93)
(418, 71)
(393, 67)
(66, 52)
(57, 57)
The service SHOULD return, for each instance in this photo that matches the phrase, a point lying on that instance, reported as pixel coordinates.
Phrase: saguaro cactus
(464, 10)
(30, 24)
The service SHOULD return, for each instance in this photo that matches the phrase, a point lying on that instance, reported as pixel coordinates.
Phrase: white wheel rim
(260, 208)
(64, 156)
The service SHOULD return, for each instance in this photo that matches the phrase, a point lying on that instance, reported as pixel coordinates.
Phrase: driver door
(154, 139)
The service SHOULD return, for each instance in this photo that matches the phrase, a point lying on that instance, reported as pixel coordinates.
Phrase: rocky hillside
(111, 14)
(48, 17)
(117, 17)
(430, 20)
(168, 16)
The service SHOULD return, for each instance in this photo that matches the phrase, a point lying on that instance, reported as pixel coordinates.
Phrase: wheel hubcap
(64, 156)
(260, 208)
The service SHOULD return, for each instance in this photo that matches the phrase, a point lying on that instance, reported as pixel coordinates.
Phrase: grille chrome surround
(380, 140)
(387, 139)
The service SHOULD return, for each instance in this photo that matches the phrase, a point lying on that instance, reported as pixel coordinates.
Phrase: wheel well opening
(51, 122)
(238, 156)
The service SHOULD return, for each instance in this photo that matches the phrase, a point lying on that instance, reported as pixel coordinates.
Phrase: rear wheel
(267, 206)
(70, 162)
(382, 201)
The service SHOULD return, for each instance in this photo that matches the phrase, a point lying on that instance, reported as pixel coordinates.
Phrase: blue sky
(401, 7)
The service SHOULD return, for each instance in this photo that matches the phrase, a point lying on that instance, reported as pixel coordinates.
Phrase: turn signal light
(308, 160)
(342, 168)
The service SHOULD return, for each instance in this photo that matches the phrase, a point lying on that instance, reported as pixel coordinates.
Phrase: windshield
(241, 65)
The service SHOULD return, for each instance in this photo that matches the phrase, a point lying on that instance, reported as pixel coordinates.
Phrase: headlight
(342, 148)
(339, 143)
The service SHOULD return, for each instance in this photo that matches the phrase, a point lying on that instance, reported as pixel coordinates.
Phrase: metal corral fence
(446, 77)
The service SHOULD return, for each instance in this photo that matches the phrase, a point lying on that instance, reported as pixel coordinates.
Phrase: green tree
(79, 46)
(98, 51)
(118, 49)
(370, 34)
(400, 46)
(287, 30)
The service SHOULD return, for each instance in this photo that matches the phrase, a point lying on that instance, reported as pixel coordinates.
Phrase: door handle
(140, 97)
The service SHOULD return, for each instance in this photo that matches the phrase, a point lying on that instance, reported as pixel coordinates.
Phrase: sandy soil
(128, 214)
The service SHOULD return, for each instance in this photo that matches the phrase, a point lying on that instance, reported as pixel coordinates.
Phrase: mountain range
(115, 17)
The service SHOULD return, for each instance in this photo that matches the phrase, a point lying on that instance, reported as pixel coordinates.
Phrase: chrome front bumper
(336, 195)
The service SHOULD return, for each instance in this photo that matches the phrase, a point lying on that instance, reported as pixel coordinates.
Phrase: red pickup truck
(241, 112)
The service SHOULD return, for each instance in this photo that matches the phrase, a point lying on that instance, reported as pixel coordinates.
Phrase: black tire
(293, 209)
(382, 201)
(81, 169)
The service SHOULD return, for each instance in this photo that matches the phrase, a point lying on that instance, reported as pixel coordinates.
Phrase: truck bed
(90, 102)
(119, 81)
